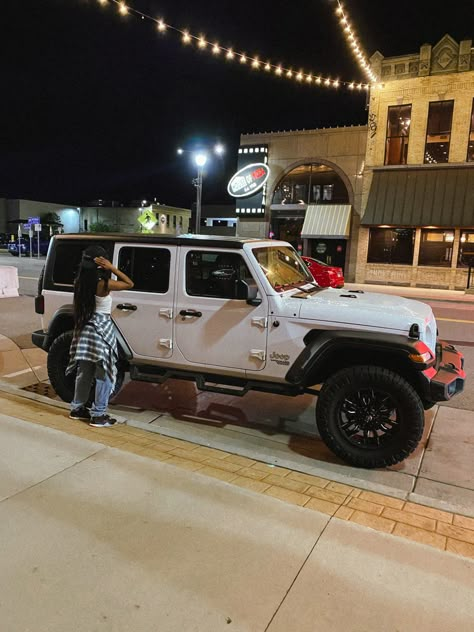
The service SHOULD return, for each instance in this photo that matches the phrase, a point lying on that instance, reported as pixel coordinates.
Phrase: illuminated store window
(398, 132)
(438, 131)
(391, 245)
(311, 184)
(466, 248)
(436, 248)
(470, 145)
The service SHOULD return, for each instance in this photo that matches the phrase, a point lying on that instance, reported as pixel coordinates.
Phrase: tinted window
(214, 274)
(149, 268)
(67, 257)
(436, 248)
(391, 245)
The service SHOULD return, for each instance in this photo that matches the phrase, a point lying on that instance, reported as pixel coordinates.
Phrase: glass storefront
(436, 248)
(311, 184)
(391, 245)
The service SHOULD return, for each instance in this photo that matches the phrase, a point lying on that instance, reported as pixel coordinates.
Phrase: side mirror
(247, 291)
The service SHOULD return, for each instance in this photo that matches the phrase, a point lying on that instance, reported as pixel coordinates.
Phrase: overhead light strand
(216, 49)
(350, 34)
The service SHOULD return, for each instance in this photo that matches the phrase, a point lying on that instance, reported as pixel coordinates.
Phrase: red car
(325, 275)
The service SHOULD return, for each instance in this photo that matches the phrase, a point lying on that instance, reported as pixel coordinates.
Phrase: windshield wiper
(290, 286)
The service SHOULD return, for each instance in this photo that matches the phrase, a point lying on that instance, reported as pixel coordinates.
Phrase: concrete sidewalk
(98, 538)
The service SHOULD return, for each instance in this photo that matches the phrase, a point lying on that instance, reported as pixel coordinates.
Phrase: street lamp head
(219, 149)
(180, 151)
(200, 158)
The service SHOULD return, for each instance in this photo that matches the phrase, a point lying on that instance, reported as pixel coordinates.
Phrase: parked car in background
(24, 244)
(4, 239)
(324, 274)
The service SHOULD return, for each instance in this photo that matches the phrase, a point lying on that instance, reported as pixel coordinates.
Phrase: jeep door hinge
(166, 311)
(258, 353)
(260, 322)
(166, 342)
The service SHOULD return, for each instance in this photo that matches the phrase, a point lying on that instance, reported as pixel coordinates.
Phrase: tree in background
(100, 227)
(51, 219)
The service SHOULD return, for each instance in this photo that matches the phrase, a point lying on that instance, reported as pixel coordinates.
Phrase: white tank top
(103, 304)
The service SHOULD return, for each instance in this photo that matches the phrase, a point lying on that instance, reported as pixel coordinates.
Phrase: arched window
(311, 184)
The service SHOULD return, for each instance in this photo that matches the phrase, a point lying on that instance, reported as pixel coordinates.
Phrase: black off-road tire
(356, 384)
(58, 359)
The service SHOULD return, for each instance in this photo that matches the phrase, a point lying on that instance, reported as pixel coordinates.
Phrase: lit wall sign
(250, 202)
(248, 180)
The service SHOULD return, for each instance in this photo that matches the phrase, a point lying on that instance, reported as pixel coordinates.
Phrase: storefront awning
(329, 221)
(431, 196)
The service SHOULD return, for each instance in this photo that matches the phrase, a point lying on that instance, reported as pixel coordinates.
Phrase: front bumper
(446, 378)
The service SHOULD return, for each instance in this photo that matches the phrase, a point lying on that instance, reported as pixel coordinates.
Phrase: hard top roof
(214, 241)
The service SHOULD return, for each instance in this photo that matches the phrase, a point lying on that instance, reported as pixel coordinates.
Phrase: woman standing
(94, 346)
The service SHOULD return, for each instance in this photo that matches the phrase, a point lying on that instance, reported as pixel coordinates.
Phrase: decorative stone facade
(437, 73)
(341, 148)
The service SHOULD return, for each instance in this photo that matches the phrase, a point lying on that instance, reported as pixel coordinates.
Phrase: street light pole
(198, 184)
(200, 159)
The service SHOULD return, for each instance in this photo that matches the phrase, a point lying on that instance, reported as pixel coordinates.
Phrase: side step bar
(213, 383)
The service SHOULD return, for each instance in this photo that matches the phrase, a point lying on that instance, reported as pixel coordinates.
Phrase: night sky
(93, 105)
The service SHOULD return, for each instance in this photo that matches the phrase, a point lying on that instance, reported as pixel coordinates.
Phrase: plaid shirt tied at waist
(97, 343)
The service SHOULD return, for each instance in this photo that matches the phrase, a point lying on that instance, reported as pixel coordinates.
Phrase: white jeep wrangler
(241, 314)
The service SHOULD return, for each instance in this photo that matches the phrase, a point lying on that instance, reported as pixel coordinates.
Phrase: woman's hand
(102, 262)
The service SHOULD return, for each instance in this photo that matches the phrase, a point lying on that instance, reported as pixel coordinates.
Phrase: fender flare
(323, 345)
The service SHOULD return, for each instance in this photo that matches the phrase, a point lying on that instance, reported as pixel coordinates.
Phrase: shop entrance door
(330, 251)
(289, 229)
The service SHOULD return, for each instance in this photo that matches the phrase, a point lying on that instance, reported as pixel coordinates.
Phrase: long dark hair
(85, 285)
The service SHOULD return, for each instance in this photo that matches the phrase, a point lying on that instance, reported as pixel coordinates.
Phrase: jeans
(86, 372)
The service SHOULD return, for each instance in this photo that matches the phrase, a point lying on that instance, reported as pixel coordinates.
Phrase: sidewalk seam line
(298, 573)
(52, 475)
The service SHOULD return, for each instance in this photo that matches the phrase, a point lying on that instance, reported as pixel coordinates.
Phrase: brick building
(393, 201)
(418, 184)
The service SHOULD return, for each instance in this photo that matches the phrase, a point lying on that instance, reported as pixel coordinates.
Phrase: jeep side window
(214, 274)
(67, 257)
(148, 267)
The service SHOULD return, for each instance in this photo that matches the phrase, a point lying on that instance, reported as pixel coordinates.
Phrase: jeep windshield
(283, 267)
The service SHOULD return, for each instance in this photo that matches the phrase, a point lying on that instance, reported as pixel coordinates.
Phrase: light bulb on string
(187, 37)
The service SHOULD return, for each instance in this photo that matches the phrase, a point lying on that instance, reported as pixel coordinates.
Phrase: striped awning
(331, 221)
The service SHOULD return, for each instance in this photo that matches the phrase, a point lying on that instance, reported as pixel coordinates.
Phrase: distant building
(114, 218)
(418, 185)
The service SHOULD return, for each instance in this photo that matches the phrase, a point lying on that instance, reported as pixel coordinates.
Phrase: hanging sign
(248, 180)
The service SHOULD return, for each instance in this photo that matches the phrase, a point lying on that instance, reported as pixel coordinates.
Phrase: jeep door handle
(127, 307)
(190, 312)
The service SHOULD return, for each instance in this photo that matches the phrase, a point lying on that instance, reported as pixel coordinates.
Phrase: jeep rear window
(67, 257)
(149, 268)
(282, 267)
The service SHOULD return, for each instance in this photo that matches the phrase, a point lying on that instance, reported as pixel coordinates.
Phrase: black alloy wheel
(369, 416)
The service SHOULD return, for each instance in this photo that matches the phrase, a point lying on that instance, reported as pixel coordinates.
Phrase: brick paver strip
(440, 529)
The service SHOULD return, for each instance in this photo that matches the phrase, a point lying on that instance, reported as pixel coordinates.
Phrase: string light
(349, 33)
(202, 43)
